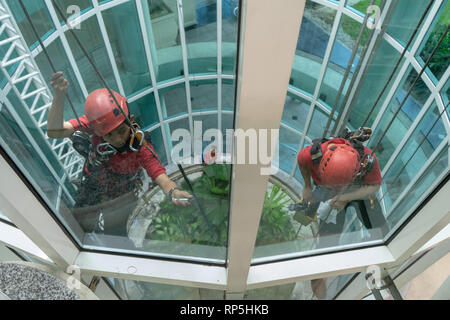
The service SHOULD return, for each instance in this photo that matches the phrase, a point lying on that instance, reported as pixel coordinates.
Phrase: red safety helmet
(102, 111)
(339, 166)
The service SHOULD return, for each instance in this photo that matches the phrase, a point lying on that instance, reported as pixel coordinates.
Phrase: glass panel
(39, 16)
(144, 111)
(361, 5)
(91, 39)
(200, 24)
(204, 95)
(132, 64)
(445, 93)
(288, 148)
(170, 129)
(61, 63)
(295, 111)
(398, 176)
(140, 290)
(420, 188)
(69, 8)
(227, 124)
(405, 18)
(228, 94)
(312, 43)
(317, 289)
(158, 144)
(318, 123)
(440, 61)
(379, 71)
(173, 100)
(161, 20)
(13, 140)
(206, 122)
(340, 56)
(403, 120)
(229, 35)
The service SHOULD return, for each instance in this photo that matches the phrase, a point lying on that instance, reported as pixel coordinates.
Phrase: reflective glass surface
(40, 18)
(173, 100)
(200, 24)
(133, 67)
(203, 95)
(402, 122)
(405, 18)
(340, 57)
(312, 43)
(230, 15)
(161, 19)
(303, 212)
(61, 62)
(140, 290)
(440, 60)
(317, 289)
(91, 38)
(71, 9)
(106, 204)
(378, 74)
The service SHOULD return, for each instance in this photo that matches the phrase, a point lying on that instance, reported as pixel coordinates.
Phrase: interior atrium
(248, 84)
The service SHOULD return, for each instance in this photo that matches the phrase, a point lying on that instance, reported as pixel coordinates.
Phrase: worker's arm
(340, 201)
(307, 190)
(166, 185)
(56, 126)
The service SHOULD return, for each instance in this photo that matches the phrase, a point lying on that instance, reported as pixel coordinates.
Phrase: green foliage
(186, 224)
(275, 225)
(439, 62)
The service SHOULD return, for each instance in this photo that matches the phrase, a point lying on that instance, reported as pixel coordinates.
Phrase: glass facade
(175, 62)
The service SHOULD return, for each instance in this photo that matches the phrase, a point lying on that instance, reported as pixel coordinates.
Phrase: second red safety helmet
(102, 111)
(339, 166)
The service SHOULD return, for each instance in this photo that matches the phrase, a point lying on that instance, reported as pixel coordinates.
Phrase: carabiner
(106, 150)
(141, 141)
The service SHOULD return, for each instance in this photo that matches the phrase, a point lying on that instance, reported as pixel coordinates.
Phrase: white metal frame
(17, 201)
(28, 73)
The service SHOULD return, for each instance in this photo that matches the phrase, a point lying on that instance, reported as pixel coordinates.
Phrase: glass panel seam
(406, 64)
(323, 69)
(151, 68)
(108, 47)
(61, 33)
(408, 134)
(185, 65)
(418, 175)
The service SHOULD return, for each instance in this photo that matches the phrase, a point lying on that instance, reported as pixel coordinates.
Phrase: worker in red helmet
(118, 155)
(335, 168)
(340, 176)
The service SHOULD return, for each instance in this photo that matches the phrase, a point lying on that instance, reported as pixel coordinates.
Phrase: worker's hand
(59, 83)
(307, 194)
(335, 203)
(180, 194)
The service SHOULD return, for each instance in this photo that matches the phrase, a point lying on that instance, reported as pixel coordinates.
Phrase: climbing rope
(105, 84)
(411, 88)
(416, 29)
(417, 148)
(347, 71)
(46, 54)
